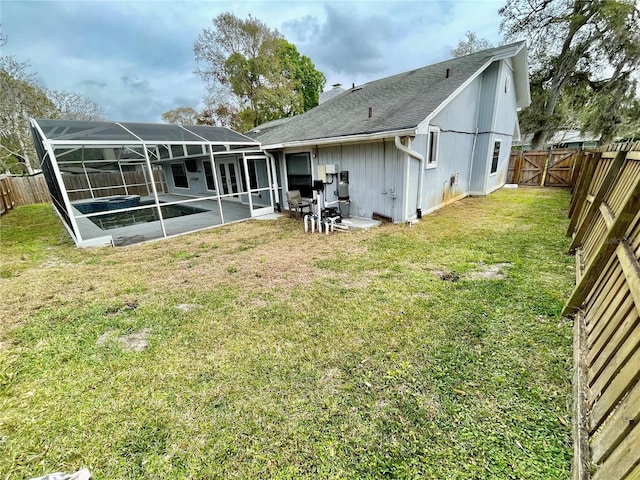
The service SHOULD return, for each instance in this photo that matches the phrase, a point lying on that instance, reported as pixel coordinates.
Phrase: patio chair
(297, 204)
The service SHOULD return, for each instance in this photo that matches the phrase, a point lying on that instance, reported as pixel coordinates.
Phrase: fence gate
(549, 168)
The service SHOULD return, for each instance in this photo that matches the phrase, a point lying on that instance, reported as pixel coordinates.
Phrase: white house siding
(485, 125)
(457, 124)
(197, 181)
(504, 126)
(376, 176)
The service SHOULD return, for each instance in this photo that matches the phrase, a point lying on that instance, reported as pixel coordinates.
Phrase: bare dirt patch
(490, 272)
(187, 307)
(446, 276)
(133, 342)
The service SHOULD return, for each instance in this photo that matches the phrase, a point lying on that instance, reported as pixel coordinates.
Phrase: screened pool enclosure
(124, 183)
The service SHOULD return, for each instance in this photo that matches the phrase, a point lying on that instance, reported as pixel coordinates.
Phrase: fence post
(577, 167)
(582, 189)
(517, 168)
(546, 167)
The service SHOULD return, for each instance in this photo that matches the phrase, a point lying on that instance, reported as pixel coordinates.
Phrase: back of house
(410, 143)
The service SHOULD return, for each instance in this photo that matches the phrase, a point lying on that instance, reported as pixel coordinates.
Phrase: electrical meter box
(325, 170)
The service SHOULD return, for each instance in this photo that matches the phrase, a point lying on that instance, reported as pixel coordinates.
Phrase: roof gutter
(341, 140)
(418, 156)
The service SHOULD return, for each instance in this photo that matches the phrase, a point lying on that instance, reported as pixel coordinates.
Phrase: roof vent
(447, 74)
(370, 111)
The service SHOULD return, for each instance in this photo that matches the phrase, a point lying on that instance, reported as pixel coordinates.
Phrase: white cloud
(136, 58)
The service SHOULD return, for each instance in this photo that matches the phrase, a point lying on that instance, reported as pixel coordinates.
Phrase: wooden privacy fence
(18, 191)
(605, 231)
(545, 168)
(105, 184)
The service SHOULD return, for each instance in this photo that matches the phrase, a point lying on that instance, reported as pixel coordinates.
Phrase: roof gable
(396, 103)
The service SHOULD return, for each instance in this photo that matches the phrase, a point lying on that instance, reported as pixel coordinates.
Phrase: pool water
(126, 219)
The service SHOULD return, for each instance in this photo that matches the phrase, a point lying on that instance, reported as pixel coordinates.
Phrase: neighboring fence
(104, 184)
(6, 201)
(549, 168)
(605, 230)
(18, 191)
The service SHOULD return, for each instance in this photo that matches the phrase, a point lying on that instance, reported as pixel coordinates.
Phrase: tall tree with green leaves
(253, 73)
(585, 55)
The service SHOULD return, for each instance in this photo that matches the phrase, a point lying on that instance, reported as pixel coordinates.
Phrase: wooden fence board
(623, 460)
(605, 225)
(26, 190)
(617, 427)
(608, 180)
(580, 196)
(606, 249)
(635, 474)
(6, 199)
(560, 168)
(550, 168)
(601, 355)
(617, 362)
(602, 302)
(532, 167)
(614, 300)
(607, 398)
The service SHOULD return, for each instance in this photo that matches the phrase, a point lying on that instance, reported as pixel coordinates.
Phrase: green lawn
(299, 356)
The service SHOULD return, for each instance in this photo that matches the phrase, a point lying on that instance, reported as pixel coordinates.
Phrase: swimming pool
(109, 221)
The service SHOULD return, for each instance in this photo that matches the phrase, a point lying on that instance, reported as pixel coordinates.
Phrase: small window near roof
(179, 175)
(496, 156)
(432, 147)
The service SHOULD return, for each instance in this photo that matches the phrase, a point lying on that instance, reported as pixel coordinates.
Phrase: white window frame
(432, 162)
(186, 175)
(493, 150)
(213, 175)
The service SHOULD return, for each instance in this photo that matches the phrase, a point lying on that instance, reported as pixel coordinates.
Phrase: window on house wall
(432, 148)
(496, 156)
(299, 173)
(179, 175)
(253, 178)
(208, 175)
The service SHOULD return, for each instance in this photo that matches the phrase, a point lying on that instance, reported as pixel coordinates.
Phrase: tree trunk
(539, 139)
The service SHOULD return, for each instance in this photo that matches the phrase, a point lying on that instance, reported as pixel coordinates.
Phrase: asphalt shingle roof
(398, 102)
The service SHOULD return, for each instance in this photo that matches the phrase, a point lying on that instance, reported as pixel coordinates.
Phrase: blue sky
(135, 58)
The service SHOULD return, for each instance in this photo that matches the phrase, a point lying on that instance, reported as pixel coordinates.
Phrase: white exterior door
(258, 178)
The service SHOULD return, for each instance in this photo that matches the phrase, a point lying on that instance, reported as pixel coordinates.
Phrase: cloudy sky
(135, 58)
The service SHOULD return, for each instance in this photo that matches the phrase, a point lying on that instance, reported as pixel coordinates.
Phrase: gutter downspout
(418, 156)
(274, 176)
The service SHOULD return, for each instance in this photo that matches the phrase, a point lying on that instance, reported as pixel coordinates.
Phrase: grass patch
(350, 358)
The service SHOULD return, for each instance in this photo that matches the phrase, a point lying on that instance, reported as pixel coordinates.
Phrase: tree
(253, 73)
(73, 106)
(21, 100)
(181, 116)
(472, 44)
(584, 56)
(309, 81)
